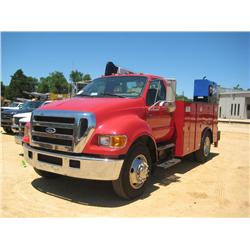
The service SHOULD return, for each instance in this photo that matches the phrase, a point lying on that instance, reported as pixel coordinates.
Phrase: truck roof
(134, 74)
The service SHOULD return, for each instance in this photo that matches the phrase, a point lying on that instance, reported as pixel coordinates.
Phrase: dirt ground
(218, 188)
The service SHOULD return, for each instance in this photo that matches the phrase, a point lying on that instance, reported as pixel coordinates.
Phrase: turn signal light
(26, 129)
(112, 141)
(26, 138)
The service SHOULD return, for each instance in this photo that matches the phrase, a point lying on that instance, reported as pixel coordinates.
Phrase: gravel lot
(218, 188)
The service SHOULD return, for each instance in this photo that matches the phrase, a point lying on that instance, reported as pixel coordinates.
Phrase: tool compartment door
(205, 119)
(185, 120)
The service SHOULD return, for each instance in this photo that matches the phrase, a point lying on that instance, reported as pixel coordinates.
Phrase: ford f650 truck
(119, 128)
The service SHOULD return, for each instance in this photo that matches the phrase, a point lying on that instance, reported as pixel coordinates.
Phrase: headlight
(112, 141)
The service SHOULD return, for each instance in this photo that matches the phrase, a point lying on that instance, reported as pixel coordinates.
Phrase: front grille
(6, 116)
(54, 119)
(64, 131)
(52, 140)
(61, 130)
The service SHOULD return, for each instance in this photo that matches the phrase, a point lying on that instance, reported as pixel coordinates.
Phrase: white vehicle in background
(21, 126)
(13, 106)
(19, 121)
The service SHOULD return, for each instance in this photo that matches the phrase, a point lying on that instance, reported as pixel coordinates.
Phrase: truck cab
(119, 128)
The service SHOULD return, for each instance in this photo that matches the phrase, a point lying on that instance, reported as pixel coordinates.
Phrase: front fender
(132, 126)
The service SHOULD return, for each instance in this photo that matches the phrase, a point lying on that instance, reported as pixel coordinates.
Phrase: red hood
(95, 105)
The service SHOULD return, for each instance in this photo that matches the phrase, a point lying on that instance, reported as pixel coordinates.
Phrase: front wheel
(135, 173)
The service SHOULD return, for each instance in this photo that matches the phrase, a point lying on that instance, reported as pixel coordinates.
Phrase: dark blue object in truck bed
(205, 90)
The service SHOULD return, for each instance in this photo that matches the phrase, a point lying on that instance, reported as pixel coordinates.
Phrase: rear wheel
(45, 174)
(134, 174)
(203, 153)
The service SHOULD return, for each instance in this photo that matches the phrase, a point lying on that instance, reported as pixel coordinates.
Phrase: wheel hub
(138, 172)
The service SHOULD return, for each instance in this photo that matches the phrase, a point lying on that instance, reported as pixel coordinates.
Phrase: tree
(237, 87)
(87, 77)
(2, 89)
(183, 98)
(58, 83)
(7, 94)
(20, 82)
(43, 86)
(76, 76)
(55, 83)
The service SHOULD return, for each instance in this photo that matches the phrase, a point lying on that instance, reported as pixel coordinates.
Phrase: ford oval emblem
(50, 130)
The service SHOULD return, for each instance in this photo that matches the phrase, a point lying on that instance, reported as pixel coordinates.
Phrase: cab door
(158, 117)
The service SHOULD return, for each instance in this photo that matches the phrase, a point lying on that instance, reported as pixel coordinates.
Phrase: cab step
(169, 163)
(163, 147)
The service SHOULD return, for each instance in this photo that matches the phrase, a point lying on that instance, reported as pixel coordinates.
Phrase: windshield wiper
(110, 94)
(80, 95)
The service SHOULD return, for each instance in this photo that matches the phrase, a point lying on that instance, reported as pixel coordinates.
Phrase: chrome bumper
(87, 167)
(18, 139)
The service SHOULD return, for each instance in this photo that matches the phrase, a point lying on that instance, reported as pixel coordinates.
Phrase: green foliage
(55, 83)
(58, 83)
(87, 77)
(7, 94)
(183, 98)
(237, 87)
(76, 76)
(2, 89)
(43, 86)
(19, 83)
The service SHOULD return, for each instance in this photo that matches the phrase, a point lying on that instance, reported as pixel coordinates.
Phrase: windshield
(118, 86)
(32, 105)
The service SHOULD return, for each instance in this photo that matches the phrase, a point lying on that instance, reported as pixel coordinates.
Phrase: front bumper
(74, 166)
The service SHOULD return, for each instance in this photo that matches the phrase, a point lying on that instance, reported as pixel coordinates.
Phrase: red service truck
(119, 128)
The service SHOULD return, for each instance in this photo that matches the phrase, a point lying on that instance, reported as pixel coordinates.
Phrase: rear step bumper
(74, 166)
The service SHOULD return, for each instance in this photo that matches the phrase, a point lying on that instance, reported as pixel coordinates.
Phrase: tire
(203, 153)
(7, 130)
(46, 174)
(126, 186)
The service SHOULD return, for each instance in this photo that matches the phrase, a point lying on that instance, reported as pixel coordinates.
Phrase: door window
(156, 92)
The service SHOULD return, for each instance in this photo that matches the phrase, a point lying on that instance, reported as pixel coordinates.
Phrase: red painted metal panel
(191, 119)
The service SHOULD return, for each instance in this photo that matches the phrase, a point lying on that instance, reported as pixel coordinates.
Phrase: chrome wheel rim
(139, 171)
(206, 146)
